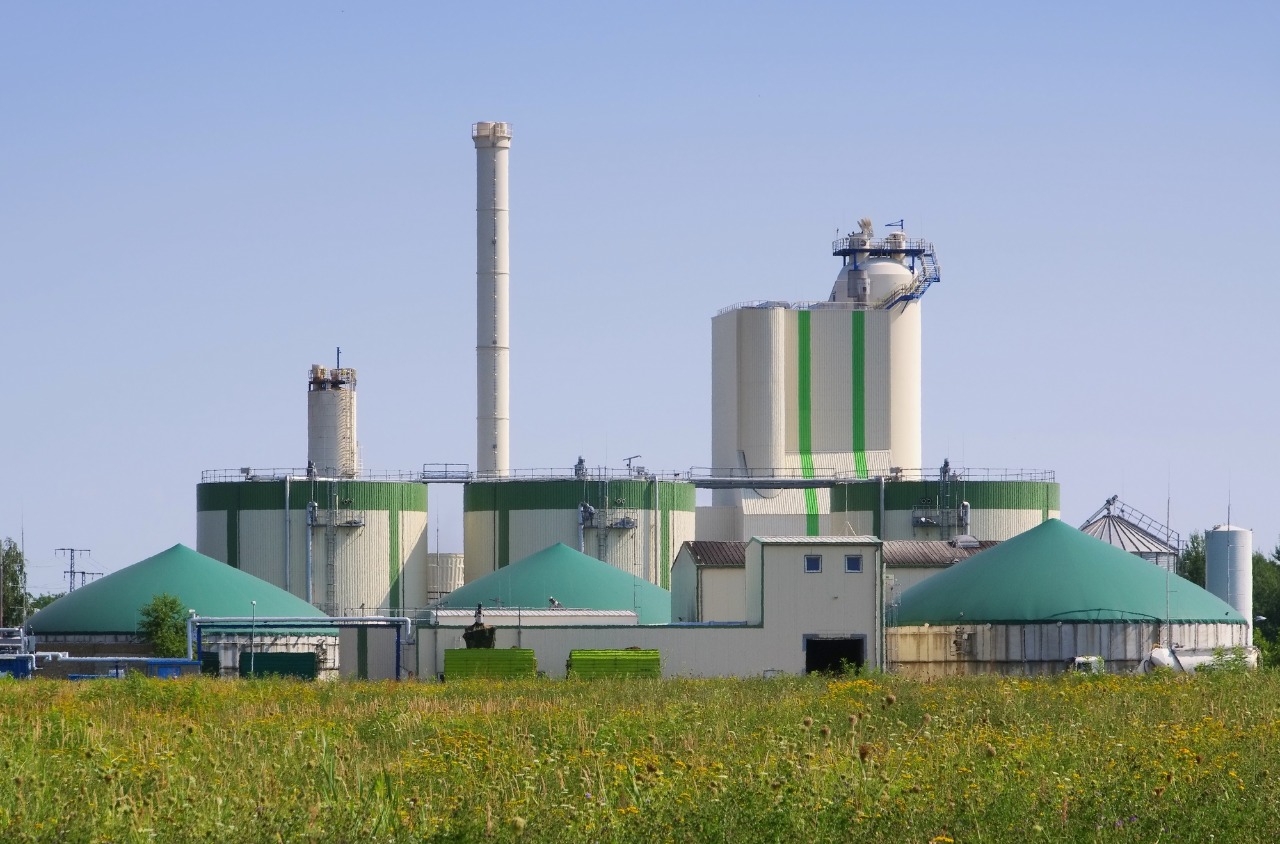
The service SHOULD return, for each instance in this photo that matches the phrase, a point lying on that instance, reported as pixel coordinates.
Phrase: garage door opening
(834, 655)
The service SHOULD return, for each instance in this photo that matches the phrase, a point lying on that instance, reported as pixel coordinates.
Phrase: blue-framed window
(812, 563)
(853, 562)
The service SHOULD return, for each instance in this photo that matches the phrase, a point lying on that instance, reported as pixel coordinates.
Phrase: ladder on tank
(331, 553)
(927, 275)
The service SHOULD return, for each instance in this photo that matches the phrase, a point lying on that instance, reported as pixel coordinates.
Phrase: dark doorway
(834, 655)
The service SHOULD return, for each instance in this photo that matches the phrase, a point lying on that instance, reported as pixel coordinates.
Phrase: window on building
(853, 562)
(812, 563)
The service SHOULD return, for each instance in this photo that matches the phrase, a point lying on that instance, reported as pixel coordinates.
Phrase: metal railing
(859, 243)
(460, 473)
(215, 476)
(699, 473)
(820, 305)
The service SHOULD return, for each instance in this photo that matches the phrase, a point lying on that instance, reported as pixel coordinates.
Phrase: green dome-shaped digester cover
(1054, 572)
(209, 587)
(574, 579)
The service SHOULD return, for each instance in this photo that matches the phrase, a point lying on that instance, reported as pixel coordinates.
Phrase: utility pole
(71, 571)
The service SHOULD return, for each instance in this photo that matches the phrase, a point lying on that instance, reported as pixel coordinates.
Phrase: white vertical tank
(493, 412)
(762, 393)
(887, 278)
(332, 450)
(444, 574)
(1229, 567)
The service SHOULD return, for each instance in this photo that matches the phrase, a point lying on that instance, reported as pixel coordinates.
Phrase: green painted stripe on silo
(233, 538)
(804, 390)
(985, 495)
(504, 537)
(859, 393)
(664, 550)
(481, 496)
(353, 495)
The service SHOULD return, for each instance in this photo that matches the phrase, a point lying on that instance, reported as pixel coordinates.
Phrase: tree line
(16, 603)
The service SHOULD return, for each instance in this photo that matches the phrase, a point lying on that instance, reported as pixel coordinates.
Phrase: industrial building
(812, 604)
(817, 452)
(709, 576)
(708, 581)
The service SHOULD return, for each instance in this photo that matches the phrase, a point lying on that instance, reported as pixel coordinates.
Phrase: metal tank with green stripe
(636, 523)
(987, 504)
(348, 546)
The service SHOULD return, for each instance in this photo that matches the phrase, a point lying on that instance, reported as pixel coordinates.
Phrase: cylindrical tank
(886, 277)
(762, 393)
(636, 524)
(349, 547)
(889, 278)
(916, 509)
(445, 573)
(493, 411)
(332, 449)
(1228, 569)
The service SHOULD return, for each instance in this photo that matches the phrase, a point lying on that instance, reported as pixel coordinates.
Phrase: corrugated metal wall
(1041, 648)
(379, 537)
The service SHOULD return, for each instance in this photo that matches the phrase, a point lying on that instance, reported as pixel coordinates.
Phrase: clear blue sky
(198, 201)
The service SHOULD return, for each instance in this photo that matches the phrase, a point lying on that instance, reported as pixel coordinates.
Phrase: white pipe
(117, 659)
(311, 523)
(301, 621)
(493, 412)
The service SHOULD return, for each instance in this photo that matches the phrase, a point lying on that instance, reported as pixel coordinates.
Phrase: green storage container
(625, 663)
(300, 665)
(508, 663)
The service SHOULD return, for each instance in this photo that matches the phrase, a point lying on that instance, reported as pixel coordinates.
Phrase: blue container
(18, 666)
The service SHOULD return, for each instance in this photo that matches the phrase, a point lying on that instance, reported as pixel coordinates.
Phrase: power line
(71, 571)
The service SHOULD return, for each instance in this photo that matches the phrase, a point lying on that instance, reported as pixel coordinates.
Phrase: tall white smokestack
(493, 366)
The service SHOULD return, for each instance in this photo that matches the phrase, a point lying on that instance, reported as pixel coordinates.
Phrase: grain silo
(1228, 571)
(1131, 530)
(813, 390)
(346, 542)
(635, 521)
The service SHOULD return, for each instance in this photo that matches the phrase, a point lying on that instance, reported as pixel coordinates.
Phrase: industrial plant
(827, 542)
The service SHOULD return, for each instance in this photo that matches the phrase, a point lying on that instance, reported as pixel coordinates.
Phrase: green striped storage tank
(638, 524)
(936, 509)
(496, 663)
(590, 664)
(350, 547)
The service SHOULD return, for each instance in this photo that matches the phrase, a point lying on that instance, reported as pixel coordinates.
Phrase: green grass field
(1073, 758)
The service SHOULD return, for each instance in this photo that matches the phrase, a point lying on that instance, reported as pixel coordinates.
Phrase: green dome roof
(211, 588)
(576, 580)
(1054, 572)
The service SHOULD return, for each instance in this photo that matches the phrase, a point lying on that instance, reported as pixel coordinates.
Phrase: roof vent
(964, 540)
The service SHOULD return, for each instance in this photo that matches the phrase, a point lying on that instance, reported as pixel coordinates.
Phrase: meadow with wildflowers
(849, 758)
